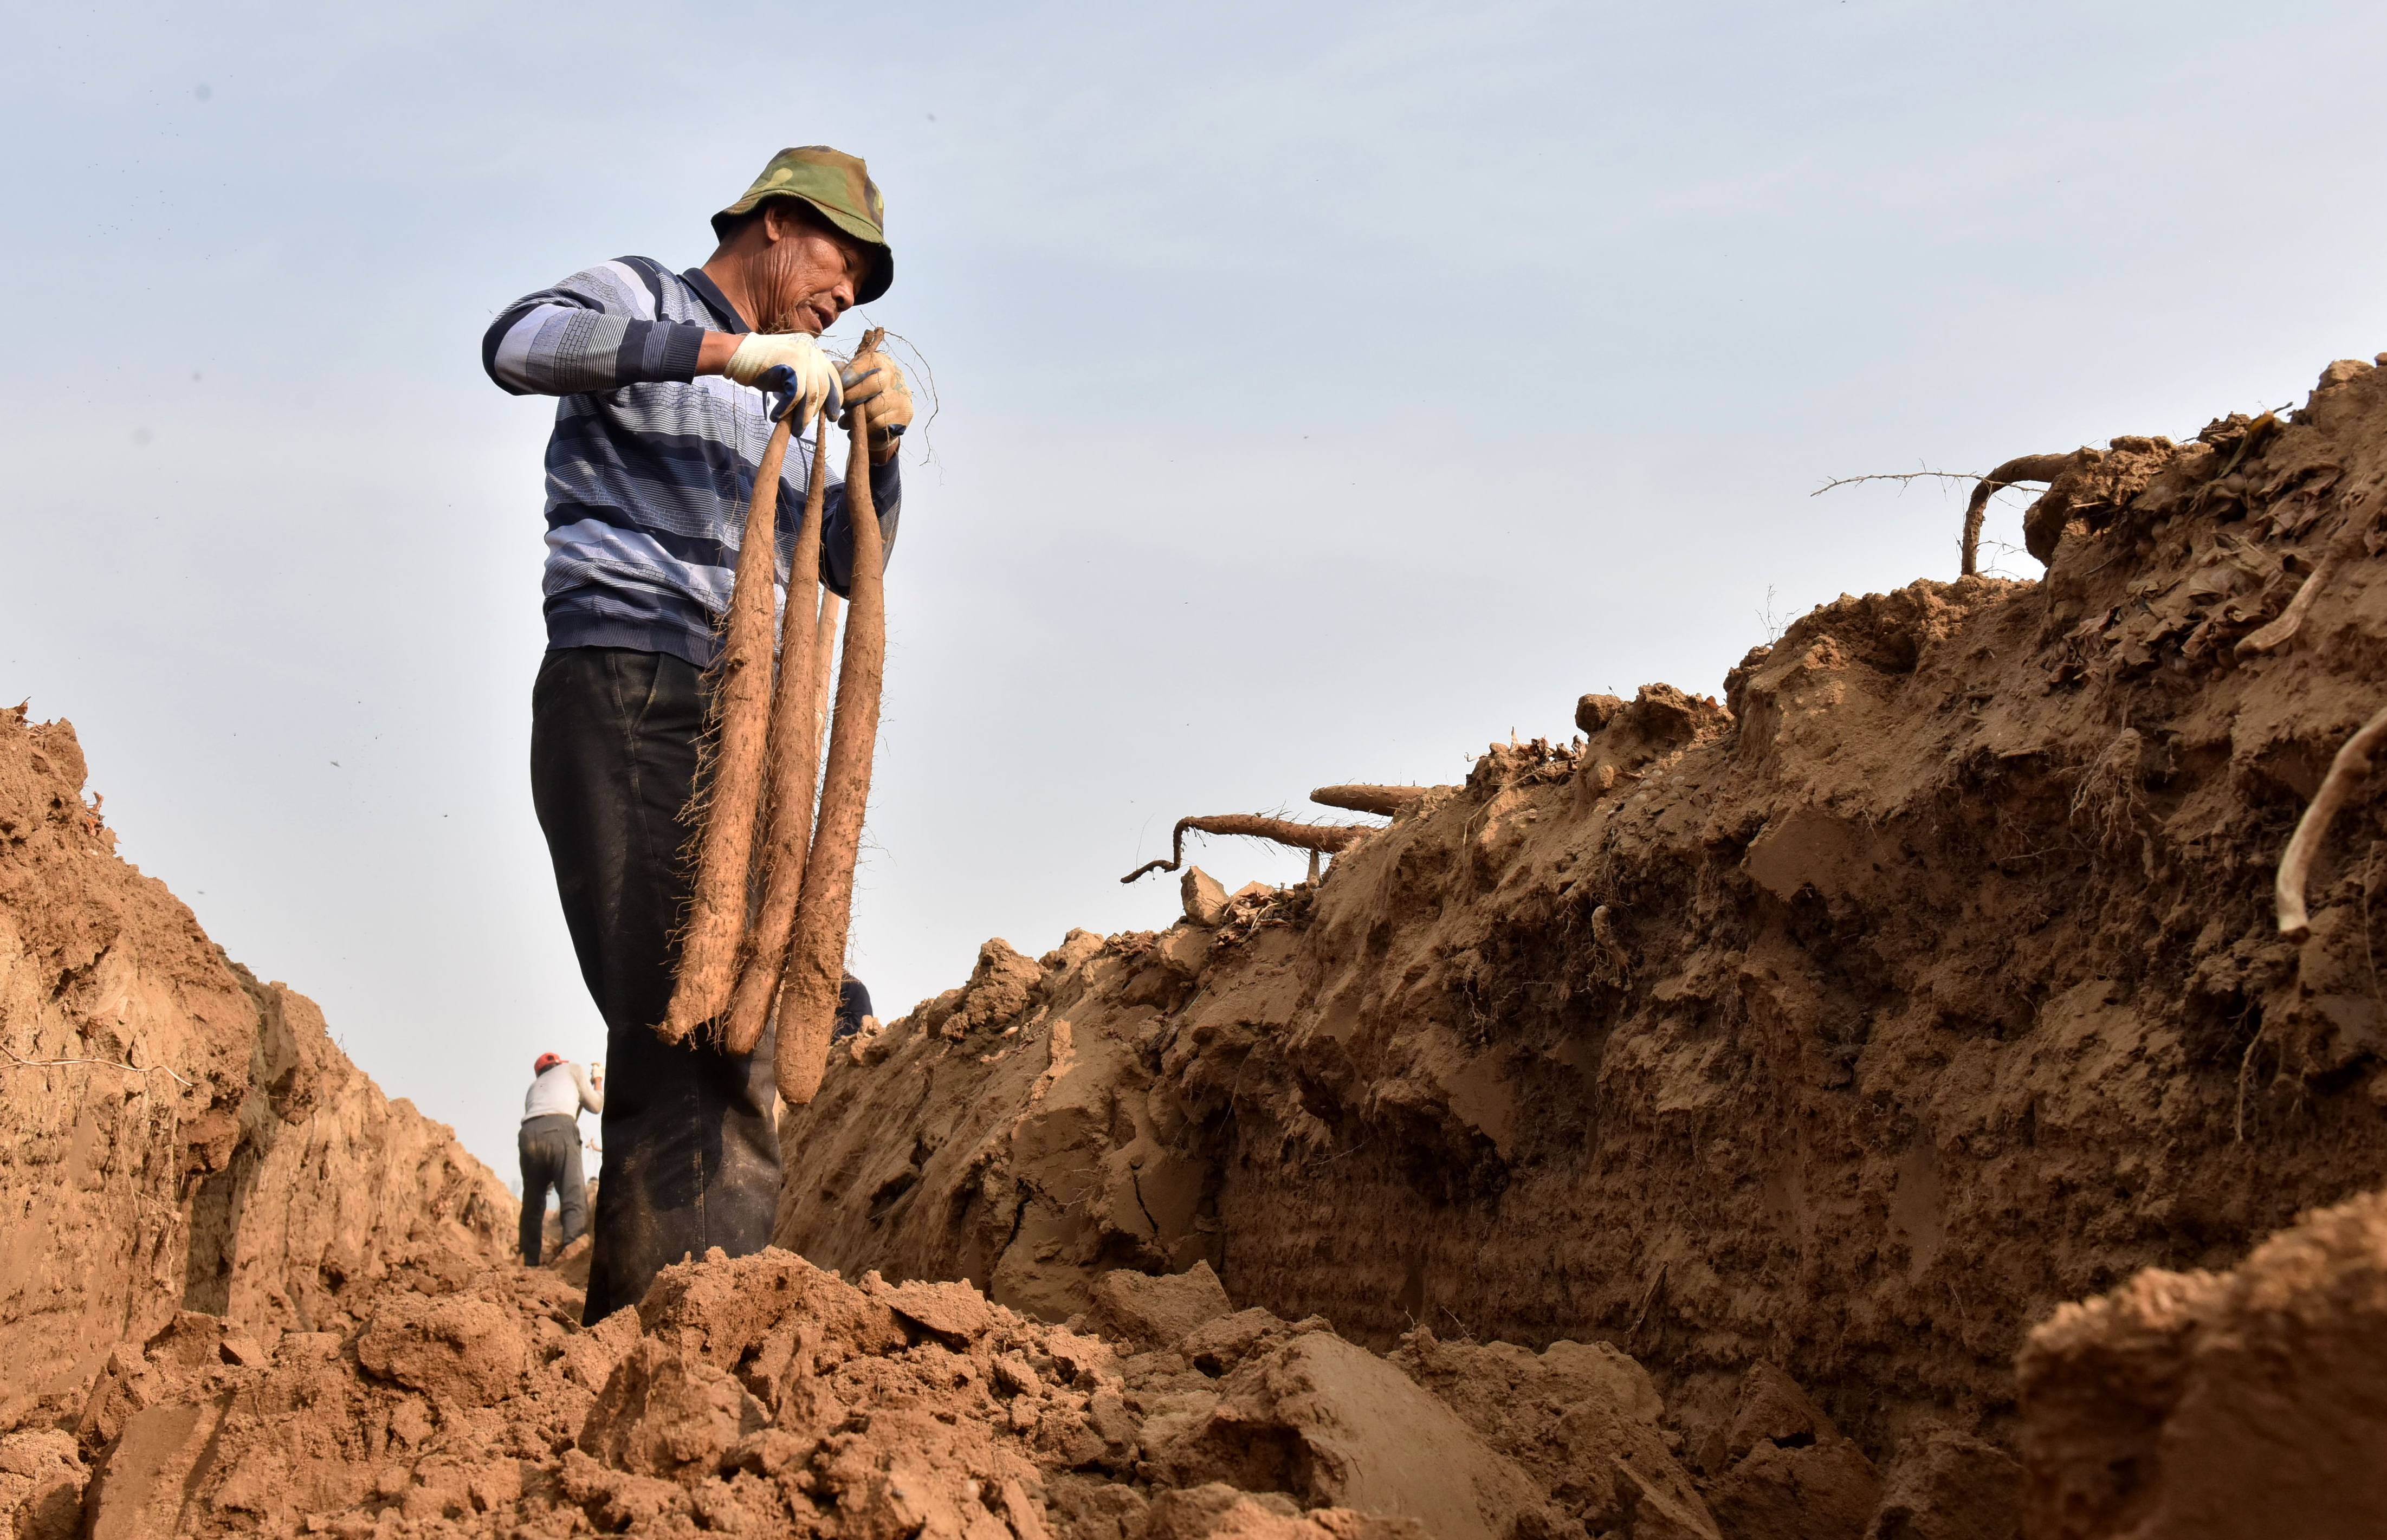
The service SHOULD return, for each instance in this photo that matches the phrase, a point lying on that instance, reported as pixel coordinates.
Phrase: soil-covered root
(794, 766)
(2015, 472)
(732, 790)
(1384, 800)
(808, 992)
(1324, 839)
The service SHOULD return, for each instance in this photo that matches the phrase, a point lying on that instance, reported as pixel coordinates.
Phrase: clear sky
(1324, 391)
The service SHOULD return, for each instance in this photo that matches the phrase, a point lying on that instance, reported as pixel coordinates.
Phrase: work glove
(872, 380)
(791, 366)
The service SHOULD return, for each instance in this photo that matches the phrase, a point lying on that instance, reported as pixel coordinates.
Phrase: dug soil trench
(175, 1135)
(1699, 1129)
(1847, 1027)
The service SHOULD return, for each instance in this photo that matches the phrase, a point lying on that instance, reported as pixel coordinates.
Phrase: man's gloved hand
(790, 362)
(872, 380)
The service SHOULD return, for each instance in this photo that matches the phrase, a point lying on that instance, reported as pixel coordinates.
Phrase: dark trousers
(691, 1159)
(551, 1157)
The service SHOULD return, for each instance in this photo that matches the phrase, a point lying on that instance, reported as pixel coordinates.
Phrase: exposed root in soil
(1385, 799)
(2015, 472)
(2352, 763)
(1327, 838)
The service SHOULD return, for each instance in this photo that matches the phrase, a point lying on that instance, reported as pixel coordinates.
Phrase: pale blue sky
(1326, 391)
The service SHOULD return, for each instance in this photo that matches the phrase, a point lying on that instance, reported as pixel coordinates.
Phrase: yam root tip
(1368, 798)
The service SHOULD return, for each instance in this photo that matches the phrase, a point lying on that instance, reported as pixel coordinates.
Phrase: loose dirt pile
(1851, 1025)
(175, 1135)
(763, 1395)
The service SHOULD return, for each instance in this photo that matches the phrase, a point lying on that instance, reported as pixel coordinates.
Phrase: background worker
(550, 1144)
(852, 1008)
(657, 441)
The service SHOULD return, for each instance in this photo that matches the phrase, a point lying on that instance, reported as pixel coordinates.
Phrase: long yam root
(794, 767)
(1386, 800)
(1331, 839)
(831, 607)
(2013, 472)
(708, 962)
(2352, 763)
(808, 994)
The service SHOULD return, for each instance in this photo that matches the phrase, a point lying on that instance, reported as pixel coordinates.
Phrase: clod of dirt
(460, 1351)
(2249, 1402)
(1951, 1487)
(42, 1480)
(664, 1413)
(1205, 897)
(1333, 1425)
(1136, 1307)
(1581, 1418)
(1788, 1474)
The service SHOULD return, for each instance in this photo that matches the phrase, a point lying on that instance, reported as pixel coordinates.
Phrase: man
(656, 445)
(549, 1145)
(852, 1008)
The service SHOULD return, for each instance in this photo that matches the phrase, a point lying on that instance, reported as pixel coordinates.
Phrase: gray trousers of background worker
(692, 1157)
(551, 1157)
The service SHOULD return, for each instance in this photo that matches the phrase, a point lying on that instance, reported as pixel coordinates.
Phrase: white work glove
(788, 362)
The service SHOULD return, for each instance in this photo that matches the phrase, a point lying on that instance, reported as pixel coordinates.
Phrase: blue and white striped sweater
(649, 468)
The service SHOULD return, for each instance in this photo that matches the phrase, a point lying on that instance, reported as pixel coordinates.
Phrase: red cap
(546, 1062)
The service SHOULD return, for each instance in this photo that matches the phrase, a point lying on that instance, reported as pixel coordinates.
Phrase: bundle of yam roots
(765, 936)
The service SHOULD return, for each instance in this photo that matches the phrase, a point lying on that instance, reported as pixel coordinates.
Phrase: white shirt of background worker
(550, 1144)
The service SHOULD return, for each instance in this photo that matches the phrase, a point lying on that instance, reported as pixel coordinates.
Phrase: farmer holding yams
(657, 442)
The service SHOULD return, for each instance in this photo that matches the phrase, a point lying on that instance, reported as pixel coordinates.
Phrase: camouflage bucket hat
(838, 188)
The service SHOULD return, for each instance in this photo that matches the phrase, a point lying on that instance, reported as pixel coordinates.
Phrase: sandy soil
(1680, 1131)
(1851, 1024)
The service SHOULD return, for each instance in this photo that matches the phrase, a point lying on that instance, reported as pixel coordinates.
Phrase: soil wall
(1852, 1024)
(173, 1133)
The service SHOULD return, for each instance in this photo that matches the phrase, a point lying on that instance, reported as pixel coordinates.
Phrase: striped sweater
(649, 468)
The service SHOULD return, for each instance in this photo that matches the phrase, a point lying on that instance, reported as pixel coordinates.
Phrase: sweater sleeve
(590, 1097)
(595, 330)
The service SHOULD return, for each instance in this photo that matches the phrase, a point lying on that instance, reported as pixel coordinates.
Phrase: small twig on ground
(2352, 763)
(106, 1064)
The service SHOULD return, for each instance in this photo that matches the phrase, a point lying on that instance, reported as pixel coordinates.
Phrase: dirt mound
(764, 1395)
(175, 1135)
(2249, 1403)
(1851, 1026)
